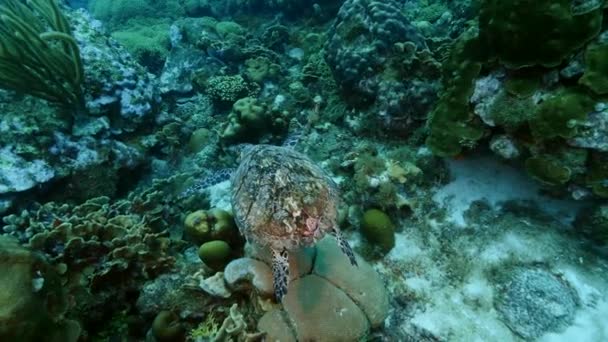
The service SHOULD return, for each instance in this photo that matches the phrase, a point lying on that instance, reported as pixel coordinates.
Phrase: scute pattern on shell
(281, 199)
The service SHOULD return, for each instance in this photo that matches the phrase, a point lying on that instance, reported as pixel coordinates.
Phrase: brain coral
(322, 285)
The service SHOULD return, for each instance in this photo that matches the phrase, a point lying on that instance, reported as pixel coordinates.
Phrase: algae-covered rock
(597, 175)
(452, 124)
(523, 33)
(596, 68)
(559, 114)
(18, 174)
(548, 170)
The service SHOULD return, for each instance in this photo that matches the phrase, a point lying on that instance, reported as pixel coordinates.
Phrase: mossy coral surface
(522, 33)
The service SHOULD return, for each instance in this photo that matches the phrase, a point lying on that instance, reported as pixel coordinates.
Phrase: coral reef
(73, 237)
(113, 81)
(530, 115)
(467, 141)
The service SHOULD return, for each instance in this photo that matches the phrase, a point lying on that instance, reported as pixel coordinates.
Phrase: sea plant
(38, 53)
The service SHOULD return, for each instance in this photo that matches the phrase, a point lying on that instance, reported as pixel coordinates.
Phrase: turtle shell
(281, 199)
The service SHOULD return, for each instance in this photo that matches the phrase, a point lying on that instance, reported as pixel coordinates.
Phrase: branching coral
(234, 328)
(38, 54)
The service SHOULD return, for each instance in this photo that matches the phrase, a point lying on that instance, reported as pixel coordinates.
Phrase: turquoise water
(265, 170)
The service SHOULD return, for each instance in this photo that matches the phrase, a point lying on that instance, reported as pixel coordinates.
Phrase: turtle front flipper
(280, 272)
(344, 246)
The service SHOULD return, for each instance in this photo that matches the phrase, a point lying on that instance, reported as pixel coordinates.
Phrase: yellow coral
(402, 173)
(206, 328)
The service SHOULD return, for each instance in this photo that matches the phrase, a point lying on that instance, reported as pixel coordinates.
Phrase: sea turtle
(283, 201)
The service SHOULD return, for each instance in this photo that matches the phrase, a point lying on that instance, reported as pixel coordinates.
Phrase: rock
(179, 70)
(215, 286)
(535, 302)
(18, 174)
(246, 273)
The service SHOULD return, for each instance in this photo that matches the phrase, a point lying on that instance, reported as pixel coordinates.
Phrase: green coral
(206, 329)
(199, 139)
(452, 124)
(246, 121)
(215, 254)
(430, 10)
(522, 87)
(558, 166)
(250, 119)
(214, 224)
(378, 229)
(596, 68)
(167, 327)
(299, 92)
(229, 88)
(261, 68)
(38, 54)
(523, 33)
(558, 115)
(147, 41)
(119, 13)
(229, 30)
(548, 170)
(511, 111)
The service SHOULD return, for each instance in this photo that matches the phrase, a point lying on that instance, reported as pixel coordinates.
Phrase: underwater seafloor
(468, 141)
